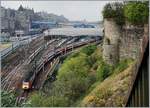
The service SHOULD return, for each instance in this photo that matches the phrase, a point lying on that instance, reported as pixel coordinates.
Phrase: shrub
(88, 50)
(137, 12)
(35, 100)
(54, 101)
(114, 10)
(103, 71)
(74, 65)
(39, 100)
(75, 54)
(122, 65)
(73, 80)
(8, 99)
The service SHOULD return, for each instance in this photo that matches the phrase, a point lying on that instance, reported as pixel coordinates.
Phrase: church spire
(20, 8)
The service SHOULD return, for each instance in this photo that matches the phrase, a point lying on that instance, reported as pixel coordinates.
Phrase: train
(28, 84)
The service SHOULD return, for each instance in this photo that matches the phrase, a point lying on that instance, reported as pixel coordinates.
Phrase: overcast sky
(73, 10)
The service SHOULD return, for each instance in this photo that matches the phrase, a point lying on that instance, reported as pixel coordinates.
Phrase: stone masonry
(130, 42)
(122, 43)
(111, 40)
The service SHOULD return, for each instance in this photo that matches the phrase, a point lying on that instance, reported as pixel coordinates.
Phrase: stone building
(12, 20)
(7, 20)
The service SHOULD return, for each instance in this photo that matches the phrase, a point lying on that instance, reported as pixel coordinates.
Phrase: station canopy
(74, 32)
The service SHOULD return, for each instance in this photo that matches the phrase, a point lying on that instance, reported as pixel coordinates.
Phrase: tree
(115, 11)
(73, 80)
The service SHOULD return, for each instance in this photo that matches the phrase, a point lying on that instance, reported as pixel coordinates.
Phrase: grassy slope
(111, 92)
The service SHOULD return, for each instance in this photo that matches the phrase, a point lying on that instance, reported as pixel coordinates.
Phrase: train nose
(25, 85)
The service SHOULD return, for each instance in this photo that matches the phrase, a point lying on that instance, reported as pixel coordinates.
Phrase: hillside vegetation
(111, 92)
(79, 74)
(74, 77)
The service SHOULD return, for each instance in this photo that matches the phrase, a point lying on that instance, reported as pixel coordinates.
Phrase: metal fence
(16, 44)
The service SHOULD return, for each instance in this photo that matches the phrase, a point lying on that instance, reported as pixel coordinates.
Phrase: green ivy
(137, 12)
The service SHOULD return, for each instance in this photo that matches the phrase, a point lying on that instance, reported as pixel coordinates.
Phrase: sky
(73, 10)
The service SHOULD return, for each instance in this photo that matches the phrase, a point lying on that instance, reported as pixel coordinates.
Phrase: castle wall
(110, 54)
(131, 42)
(122, 43)
(112, 30)
(110, 44)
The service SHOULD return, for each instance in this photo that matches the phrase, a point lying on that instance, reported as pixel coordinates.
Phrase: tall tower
(112, 33)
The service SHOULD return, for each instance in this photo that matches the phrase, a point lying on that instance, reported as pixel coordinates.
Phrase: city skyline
(72, 10)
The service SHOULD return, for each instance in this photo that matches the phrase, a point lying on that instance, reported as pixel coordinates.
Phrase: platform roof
(74, 32)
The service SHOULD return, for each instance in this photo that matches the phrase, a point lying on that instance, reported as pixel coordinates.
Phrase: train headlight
(25, 85)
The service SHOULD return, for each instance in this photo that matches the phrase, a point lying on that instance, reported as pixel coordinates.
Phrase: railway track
(42, 74)
(10, 73)
(10, 81)
(15, 58)
(21, 98)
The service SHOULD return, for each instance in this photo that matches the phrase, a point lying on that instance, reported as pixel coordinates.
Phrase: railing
(139, 95)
